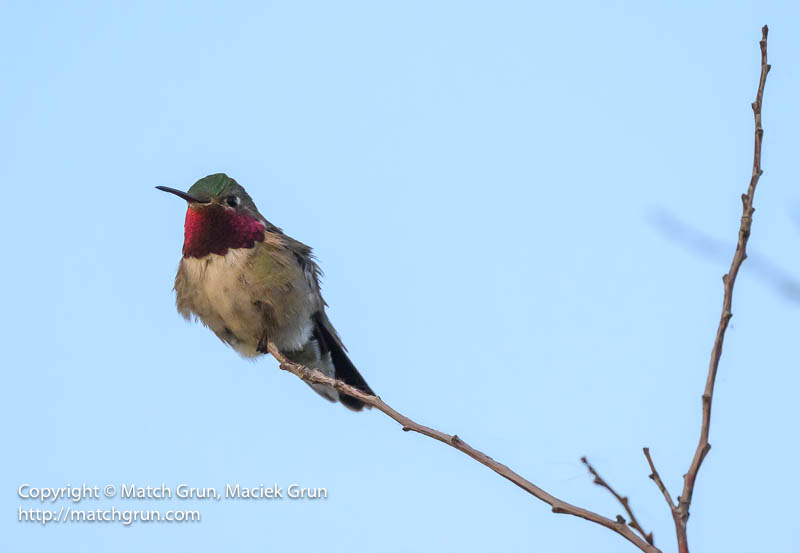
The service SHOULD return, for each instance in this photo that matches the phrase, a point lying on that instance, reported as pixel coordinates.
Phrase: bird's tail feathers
(344, 369)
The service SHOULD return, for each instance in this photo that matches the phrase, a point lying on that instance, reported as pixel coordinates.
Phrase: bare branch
(622, 499)
(680, 512)
(557, 505)
(703, 446)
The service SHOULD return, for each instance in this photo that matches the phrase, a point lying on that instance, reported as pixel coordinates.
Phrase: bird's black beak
(182, 194)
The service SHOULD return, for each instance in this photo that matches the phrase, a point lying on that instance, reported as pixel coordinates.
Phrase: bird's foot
(263, 342)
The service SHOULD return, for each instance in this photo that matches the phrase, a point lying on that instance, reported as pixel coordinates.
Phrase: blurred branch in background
(709, 248)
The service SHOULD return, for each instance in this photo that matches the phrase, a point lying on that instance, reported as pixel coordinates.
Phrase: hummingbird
(251, 284)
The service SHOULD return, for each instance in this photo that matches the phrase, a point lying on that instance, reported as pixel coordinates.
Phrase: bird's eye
(232, 201)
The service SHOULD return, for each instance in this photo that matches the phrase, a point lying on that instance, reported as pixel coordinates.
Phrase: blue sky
(486, 187)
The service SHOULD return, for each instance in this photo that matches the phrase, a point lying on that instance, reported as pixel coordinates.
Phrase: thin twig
(657, 479)
(673, 509)
(622, 499)
(557, 506)
(703, 446)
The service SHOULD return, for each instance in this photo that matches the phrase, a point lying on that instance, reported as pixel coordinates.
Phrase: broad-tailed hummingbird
(251, 284)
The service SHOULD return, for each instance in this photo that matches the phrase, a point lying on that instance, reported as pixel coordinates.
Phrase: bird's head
(220, 216)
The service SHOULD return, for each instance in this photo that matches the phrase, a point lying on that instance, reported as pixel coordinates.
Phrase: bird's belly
(217, 295)
(224, 302)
